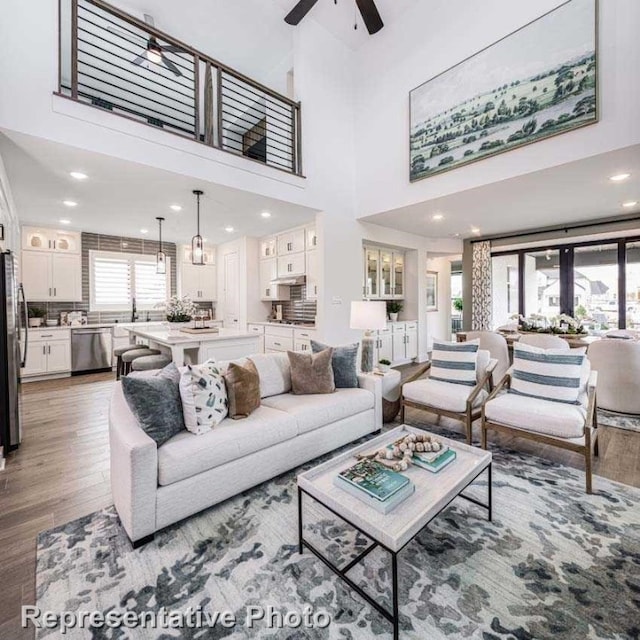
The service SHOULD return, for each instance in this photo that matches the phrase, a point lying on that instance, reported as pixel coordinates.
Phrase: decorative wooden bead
(428, 446)
(419, 447)
(404, 465)
(388, 454)
(411, 437)
(403, 446)
(412, 446)
(436, 446)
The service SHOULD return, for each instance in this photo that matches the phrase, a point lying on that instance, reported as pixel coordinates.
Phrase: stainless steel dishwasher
(91, 349)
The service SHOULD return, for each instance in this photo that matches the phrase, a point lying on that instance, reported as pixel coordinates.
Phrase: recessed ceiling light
(265, 214)
(175, 207)
(229, 229)
(475, 230)
(78, 175)
(629, 204)
(69, 203)
(437, 216)
(619, 177)
(144, 230)
(64, 221)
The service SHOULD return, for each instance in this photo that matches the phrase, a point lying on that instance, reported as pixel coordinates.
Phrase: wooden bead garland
(399, 458)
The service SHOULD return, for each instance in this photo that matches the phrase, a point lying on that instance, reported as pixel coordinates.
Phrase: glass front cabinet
(384, 273)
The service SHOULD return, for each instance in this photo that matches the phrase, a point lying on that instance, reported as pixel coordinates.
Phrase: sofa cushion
(275, 373)
(558, 419)
(186, 454)
(314, 411)
(441, 395)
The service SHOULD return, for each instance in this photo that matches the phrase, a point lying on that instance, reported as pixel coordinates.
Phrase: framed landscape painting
(537, 82)
(432, 290)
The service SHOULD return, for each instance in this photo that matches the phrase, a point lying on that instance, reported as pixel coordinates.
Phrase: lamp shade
(368, 315)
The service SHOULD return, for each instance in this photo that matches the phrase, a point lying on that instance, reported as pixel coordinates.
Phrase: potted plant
(457, 305)
(36, 316)
(384, 365)
(178, 311)
(393, 309)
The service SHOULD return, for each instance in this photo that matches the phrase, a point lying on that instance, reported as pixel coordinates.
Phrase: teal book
(381, 506)
(374, 479)
(441, 461)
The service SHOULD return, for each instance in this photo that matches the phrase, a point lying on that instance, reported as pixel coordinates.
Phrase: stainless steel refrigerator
(13, 350)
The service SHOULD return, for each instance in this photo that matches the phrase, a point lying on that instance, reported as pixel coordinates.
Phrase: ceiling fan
(368, 11)
(154, 52)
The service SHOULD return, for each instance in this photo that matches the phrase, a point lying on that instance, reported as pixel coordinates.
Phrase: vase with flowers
(178, 311)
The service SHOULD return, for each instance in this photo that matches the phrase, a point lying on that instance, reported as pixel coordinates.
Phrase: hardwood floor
(61, 472)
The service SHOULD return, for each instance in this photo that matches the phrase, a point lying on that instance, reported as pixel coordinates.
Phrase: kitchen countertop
(101, 325)
(166, 337)
(294, 325)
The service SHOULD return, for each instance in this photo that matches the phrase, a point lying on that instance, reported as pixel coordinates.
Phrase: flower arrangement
(562, 324)
(179, 309)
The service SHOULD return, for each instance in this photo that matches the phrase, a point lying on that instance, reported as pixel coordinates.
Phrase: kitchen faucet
(134, 312)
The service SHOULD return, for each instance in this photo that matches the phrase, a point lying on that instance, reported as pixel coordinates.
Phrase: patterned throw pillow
(550, 374)
(204, 397)
(455, 362)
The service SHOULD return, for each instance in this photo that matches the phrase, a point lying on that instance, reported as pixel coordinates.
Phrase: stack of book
(434, 460)
(376, 485)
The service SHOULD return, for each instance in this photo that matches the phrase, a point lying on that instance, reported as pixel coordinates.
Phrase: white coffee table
(393, 531)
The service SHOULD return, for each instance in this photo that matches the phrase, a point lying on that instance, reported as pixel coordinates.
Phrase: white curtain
(481, 287)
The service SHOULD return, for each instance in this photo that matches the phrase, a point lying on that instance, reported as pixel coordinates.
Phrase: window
(117, 278)
(505, 281)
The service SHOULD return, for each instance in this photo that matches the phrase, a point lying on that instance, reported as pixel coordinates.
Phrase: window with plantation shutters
(115, 279)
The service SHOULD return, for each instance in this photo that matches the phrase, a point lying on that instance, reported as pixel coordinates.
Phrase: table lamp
(369, 317)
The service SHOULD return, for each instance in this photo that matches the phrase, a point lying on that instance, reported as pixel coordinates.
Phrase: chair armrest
(591, 398)
(504, 383)
(373, 383)
(418, 374)
(134, 469)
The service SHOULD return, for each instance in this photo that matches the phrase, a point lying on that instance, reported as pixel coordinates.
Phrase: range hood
(290, 280)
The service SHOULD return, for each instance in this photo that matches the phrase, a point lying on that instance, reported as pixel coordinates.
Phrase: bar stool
(130, 356)
(118, 353)
(149, 363)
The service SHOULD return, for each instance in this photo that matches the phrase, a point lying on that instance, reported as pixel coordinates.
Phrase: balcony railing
(185, 92)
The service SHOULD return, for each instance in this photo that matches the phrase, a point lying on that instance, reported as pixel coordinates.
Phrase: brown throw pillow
(243, 389)
(312, 373)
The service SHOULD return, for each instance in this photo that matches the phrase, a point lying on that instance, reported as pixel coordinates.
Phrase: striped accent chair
(457, 381)
(548, 396)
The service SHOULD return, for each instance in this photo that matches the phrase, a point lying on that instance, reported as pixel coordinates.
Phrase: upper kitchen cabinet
(384, 273)
(268, 290)
(313, 275)
(291, 242)
(291, 265)
(199, 282)
(268, 247)
(311, 237)
(50, 240)
(51, 277)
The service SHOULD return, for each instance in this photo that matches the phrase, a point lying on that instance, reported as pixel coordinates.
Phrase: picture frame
(432, 290)
(539, 81)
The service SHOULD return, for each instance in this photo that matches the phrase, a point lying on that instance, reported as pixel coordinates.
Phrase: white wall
(439, 322)
(433, 36)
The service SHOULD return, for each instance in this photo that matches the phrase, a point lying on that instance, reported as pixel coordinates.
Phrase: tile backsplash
(99, 242)
(298, 308)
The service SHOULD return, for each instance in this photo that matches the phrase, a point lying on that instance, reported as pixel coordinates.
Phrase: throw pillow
(170, 372)
(455, 362)
(312, 373)
(155, 402)
(344, 363)
(243, 389)
(550, 374)
(274, 372)
(204, 397)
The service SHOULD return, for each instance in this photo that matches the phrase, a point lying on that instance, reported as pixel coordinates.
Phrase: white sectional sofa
(154, 487)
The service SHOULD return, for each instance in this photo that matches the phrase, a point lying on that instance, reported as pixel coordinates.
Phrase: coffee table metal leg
(300, 547)
(490, 482)
(394, 595)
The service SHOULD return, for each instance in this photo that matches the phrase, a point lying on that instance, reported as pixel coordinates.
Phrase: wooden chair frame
(469, 415)
(590, 446)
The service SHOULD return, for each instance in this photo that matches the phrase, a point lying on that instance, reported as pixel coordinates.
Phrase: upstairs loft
(115, 62)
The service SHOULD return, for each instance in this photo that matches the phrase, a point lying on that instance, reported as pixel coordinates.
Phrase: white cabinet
(291, 265)
(268, 247)
(384, 347)
(302, 339)
(48, 352)
(199, 282)
(313, 269)
(291, 242)
(258, 331)
(50, 240)
(52, 276)
(383, 273)
(405, 341)
(268, 273)
(311, 241)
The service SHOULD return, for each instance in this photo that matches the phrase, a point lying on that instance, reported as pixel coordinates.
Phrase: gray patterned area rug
(554, 563)
(624, 421)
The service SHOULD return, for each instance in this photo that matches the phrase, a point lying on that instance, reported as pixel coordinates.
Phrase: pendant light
(161, 256)
(197, 245)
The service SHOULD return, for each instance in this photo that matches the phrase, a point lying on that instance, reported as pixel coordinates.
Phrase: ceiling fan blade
(172, 48)
(172, 67)
(299, 11)
(370, 15)
(139, 60)
(127, 36)
(149, 20)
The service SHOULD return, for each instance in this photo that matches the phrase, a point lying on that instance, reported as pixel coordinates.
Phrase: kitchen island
(192, 348)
